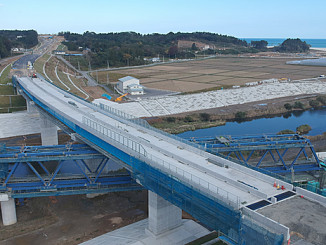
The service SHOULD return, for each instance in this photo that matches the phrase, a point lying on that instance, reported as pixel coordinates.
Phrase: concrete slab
(19, 123)
(167, 105)
(305, 218)
(135, 234)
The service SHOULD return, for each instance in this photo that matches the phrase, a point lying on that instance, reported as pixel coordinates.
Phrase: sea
(315, 43)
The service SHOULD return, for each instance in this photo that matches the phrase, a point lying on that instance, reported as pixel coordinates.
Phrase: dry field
(214, 73)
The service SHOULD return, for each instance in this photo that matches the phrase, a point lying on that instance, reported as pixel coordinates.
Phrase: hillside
(130, 48)
(16, 39)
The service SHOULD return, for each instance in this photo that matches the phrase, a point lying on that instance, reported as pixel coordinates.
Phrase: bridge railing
(143, 123)
(196, 182)
(203, 186)
(115, 136)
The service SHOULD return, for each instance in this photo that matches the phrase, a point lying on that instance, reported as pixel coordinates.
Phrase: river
(315, 118)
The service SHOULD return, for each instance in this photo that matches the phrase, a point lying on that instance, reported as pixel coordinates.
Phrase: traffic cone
(274, 184)
(278, 186)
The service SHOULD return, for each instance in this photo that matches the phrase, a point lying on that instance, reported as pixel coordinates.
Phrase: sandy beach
(319, 49)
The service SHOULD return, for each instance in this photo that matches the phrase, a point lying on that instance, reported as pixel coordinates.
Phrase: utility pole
(108, 64)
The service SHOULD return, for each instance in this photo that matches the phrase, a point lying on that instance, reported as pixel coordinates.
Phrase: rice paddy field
(215, 73)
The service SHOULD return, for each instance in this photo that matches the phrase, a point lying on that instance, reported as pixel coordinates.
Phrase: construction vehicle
(120, 98)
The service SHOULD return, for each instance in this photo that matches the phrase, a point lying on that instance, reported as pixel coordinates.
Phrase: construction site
(180, 88)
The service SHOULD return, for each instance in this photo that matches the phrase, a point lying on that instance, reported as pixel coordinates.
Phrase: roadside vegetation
(4, 79)
(9, 102)
(176, 125)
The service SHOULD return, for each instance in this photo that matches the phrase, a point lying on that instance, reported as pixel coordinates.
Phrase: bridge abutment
(162, 215)
(8, 211)
(49, 132)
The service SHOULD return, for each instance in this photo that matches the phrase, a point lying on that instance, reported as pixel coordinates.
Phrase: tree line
(288, 46)
(16, 39)
(130, 48)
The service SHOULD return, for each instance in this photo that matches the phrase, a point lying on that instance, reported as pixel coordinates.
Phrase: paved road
(22, 62)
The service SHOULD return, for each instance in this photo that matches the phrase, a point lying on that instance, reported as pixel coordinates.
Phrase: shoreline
(318, 49)
(219, 116)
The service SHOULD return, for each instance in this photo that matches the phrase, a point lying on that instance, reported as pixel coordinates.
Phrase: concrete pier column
(162, 215)
(49, 132)
(8, 211)
(31, 107)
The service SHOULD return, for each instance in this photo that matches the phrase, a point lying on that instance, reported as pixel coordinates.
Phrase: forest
(130, 48)
(16, 39)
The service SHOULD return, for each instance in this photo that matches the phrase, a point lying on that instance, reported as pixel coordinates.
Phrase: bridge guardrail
(145, 124)
(117, 137)
(196, 182)
(200, 184)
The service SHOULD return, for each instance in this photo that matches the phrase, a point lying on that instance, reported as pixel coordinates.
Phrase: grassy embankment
(176, 125)
(245, 112)
(9, 102)
(61, 70)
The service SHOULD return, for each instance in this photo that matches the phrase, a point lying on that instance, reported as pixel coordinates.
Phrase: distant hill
(293, 46)
(130, 48)
(16, 39)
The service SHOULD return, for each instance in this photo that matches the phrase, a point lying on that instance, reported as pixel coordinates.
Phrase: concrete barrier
(267, 223)
(311, 196)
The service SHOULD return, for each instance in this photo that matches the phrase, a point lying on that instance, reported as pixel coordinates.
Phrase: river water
(315, 118)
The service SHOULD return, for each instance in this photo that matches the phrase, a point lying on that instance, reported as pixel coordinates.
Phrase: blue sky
(239, 18)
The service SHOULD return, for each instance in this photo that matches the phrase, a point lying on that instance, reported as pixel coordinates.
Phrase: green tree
(298, 105)
(314, 103)
(259, 44)
(173, 50)
(194, 47)
(321, 99)
(188, 119)
(292, 46)
(171, 119)
(240, 115)
(288, 106)
(205, 117)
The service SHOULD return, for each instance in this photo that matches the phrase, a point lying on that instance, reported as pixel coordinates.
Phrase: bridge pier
(162, 215)
(31, 107)
(49, 132)
(8, 211)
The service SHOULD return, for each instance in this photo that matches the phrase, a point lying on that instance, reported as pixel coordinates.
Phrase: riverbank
(243, 112)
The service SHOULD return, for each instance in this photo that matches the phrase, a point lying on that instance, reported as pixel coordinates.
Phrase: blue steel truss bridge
(31, 171)
(278, 154)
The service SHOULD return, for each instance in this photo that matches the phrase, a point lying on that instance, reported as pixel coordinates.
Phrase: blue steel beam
(47, 153)
(265, 144)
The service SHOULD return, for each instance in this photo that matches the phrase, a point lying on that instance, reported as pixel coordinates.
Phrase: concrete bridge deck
(237, 186)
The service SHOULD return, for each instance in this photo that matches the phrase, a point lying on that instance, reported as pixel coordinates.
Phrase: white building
(130, 85)
(60, 52)
(135, 89)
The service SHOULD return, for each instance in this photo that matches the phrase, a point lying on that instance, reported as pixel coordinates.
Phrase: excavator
(120, 98)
